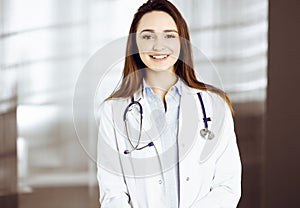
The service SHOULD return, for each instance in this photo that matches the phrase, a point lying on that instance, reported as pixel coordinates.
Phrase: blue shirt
(167, 125)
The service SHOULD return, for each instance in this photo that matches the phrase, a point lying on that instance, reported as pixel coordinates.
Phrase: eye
(169, 36)
(147, 37)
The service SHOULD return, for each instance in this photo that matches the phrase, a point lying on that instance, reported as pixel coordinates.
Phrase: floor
(55, 197)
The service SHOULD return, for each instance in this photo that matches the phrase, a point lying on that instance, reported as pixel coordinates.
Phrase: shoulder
(209, 98)
(105, 108)
(110, 102)
(215, 105)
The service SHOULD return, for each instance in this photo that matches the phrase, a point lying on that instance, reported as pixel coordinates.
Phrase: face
(158, 41)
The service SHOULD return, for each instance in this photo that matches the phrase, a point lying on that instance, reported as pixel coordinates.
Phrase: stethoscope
(205, 132)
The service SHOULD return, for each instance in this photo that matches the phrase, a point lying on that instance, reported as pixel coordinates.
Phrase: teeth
(160, 57)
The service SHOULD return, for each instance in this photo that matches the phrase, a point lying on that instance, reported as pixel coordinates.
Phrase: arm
(226, 185)
(113, 190)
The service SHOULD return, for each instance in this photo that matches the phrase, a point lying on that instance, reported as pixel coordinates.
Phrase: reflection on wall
(46, 43)
(233, 34)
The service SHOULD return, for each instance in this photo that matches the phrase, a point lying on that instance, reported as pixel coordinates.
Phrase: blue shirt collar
(177, 86)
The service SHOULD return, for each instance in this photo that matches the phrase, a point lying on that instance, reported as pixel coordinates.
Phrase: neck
(160, 81)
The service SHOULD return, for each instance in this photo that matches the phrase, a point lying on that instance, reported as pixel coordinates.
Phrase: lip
(159, 57)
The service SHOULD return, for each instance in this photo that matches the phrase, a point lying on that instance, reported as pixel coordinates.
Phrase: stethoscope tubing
(204, 132)
(203, 110)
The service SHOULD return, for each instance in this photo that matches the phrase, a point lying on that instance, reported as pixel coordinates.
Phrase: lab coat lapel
(187, 142)
(191, 121)
(188, 121)
(194, 150)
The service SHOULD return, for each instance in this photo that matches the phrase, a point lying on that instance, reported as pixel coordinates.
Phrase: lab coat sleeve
(113, 190)
(226, 184)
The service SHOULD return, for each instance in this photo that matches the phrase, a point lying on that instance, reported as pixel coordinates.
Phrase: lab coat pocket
(206, 170)
(154, 187)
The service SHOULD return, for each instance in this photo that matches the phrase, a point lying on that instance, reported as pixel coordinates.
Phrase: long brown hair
(133, 73)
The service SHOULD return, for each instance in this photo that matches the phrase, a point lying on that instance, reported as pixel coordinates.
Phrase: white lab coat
(209, 170)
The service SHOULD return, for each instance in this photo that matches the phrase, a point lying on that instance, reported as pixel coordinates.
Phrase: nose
(159, 45)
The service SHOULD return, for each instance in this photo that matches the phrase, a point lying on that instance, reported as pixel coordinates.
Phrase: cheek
(145, 46)
(142, 49)
(174, 46)
(144, 58)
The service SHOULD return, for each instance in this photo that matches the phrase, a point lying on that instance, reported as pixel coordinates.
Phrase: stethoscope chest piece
(205, 133)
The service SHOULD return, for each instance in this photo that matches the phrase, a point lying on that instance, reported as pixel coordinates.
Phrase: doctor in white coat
(150, 149)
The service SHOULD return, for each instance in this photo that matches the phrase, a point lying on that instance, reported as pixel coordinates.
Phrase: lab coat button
(160, 181)
(187, 178)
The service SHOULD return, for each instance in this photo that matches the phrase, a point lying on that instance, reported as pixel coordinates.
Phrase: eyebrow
(152, 31)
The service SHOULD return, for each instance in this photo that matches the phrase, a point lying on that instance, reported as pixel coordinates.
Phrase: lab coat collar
(187, 90)
(183, 89)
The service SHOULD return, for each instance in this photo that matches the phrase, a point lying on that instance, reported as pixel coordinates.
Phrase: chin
(160, 68)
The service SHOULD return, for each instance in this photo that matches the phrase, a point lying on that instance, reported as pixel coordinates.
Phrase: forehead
(157, 21)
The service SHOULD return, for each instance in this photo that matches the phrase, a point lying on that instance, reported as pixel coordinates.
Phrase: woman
(150, 151)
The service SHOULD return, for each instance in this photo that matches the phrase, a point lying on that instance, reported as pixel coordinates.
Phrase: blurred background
(43, 47)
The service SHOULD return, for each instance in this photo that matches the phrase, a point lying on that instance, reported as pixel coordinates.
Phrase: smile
(159, 57)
